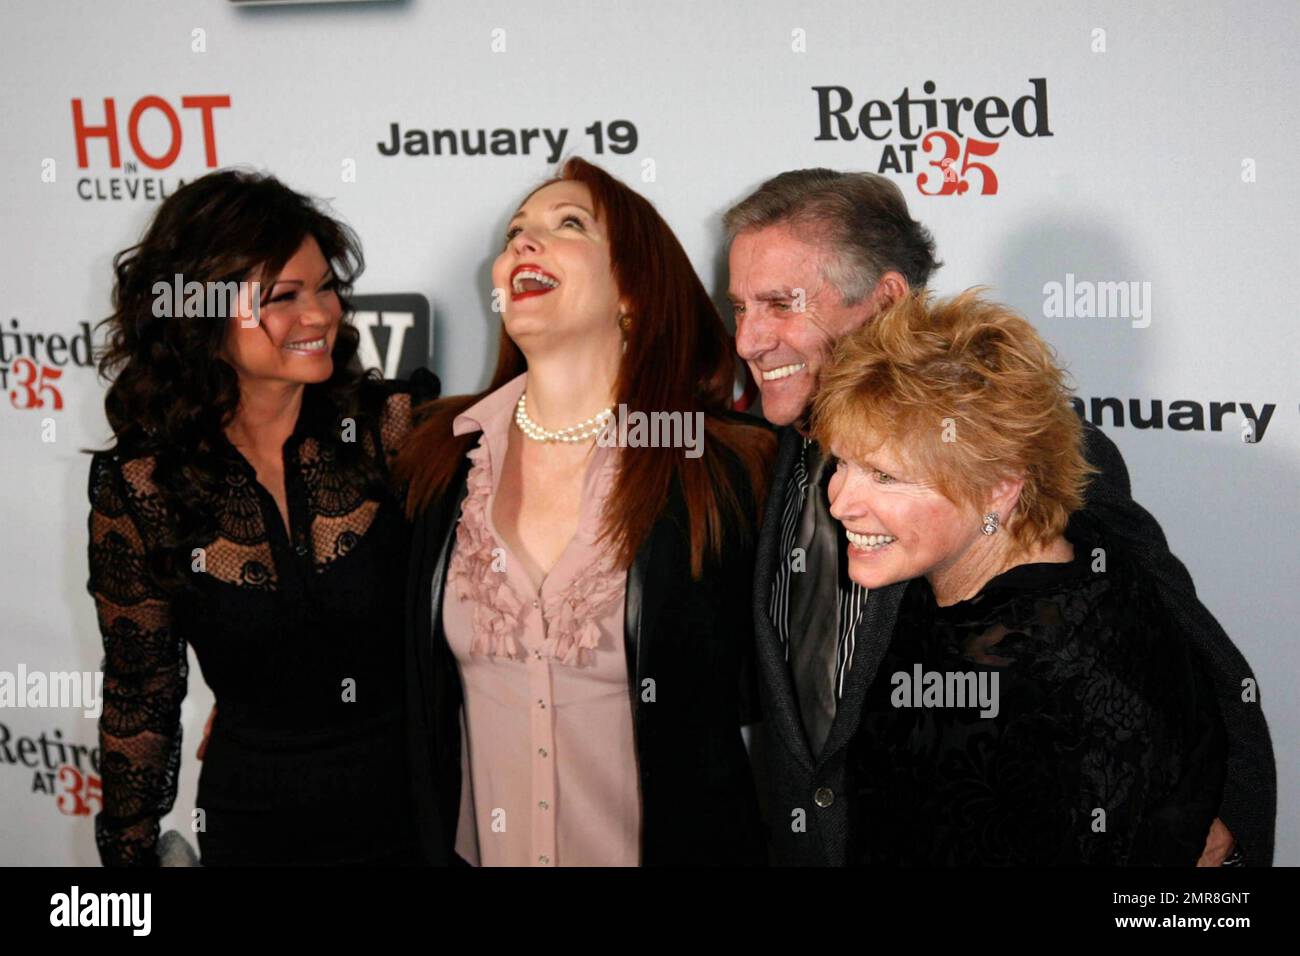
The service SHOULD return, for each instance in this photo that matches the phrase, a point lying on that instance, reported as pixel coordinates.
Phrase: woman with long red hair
(579, 621)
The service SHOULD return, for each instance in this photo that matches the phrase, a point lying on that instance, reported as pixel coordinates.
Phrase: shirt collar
(492, 415)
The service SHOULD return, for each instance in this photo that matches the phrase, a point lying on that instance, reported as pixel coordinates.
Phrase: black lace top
(298, 631)
(1106, 748)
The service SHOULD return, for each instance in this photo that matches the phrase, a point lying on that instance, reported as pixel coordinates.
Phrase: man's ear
(890, 288)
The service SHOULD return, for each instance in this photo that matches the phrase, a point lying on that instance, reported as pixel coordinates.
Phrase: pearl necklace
(582, 431)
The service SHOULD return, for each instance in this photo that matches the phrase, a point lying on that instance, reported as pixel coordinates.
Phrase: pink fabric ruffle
(572, 633)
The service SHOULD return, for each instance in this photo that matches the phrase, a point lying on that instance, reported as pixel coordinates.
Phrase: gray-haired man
(814, 254)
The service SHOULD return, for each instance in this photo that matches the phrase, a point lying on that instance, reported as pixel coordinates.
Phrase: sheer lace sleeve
(144, 669)
(398, 417)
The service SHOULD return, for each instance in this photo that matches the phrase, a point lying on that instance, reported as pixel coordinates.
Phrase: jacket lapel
(639, 603)
(430, 537)
(646, 584)
(871, 637)
(774, 672)
(439, 553)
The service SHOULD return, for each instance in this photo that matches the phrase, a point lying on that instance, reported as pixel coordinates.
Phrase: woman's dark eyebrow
(557, 206)
(327, 274)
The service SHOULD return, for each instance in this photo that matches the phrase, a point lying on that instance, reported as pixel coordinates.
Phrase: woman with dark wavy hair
(580, 596)
(246, 509)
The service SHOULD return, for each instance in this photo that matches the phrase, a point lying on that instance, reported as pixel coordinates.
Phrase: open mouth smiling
(529, 280)
(306, 346)
(869, 542)
(785, 371)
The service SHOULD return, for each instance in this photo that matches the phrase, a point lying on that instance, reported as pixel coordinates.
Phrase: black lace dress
(1106, 748)
(299, 633)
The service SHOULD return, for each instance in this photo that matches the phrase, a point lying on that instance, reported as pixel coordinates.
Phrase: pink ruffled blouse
(548, 766)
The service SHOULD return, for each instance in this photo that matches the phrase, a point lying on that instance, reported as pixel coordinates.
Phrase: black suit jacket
(686, 643)
(807, 797)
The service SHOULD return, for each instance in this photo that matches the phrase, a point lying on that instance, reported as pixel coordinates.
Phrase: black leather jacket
(693, 639)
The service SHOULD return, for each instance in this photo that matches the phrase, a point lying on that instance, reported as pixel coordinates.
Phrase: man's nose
(752, 339)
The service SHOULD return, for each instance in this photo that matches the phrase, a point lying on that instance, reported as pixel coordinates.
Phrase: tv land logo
(32, 364)
(396, 332)
(64, 771)
(158, 133)
(943, 140)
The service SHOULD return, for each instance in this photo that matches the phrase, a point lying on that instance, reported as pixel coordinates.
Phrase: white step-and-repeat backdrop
(1124, 173)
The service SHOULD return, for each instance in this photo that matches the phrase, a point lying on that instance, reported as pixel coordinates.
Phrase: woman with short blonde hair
(978, 395)
(1037, 705)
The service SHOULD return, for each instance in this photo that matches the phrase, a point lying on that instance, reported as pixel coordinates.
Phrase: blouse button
(302, 550)
(536, 603)
(543, 804)
(541, 703)
(824, 797)
(544, 860)
(541, 751)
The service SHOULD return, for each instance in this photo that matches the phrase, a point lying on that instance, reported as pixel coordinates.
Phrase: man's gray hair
(861, 219)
